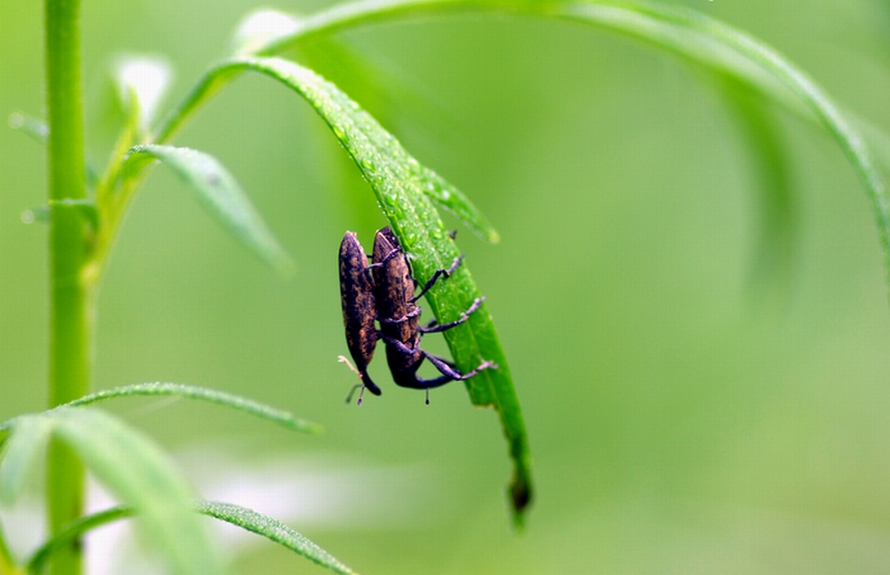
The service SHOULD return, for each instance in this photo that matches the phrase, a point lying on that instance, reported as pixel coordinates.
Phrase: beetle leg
(401, 346)
(395, 321)
(435, 278)
(447, 369)
(435, 327)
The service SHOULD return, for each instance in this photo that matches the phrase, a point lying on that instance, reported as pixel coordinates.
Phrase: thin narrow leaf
(239, 516)
(273, 530)
(771, 168)
(399, 180)
(223, 198)
(751, 62)
(283, 418)
(141, 475)
(21, 450)
(73, 531)
(35, 128)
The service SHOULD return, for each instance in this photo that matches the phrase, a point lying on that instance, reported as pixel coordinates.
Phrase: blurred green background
(678, 424)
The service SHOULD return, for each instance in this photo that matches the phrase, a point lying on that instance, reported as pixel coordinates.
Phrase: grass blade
(273, 530)
(221, 195)
(257, 409)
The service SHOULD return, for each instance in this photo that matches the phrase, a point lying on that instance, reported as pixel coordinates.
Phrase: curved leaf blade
(73, 531)
(247, 519)
(283, 418)
(273, 530)
(141, 475)
(398, 181)
(27, 439)
(223, 198)
(770, 166)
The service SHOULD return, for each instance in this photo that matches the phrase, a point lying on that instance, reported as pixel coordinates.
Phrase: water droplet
(28, 217)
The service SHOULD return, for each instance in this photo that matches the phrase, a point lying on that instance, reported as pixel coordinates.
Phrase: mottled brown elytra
(359, 310)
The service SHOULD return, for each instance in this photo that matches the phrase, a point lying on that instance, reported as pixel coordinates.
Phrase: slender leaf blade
(771, 168)
(221, 195)
(247, 519)
(73, 531)
(398, 180)
(273, 530)
(140, 474)
(255, 408)
(27, 439)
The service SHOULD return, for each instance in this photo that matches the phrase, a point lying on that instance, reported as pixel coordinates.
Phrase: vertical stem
(70, 295)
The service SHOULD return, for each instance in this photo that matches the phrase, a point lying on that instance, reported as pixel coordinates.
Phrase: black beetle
(359, 309)
(398, 316)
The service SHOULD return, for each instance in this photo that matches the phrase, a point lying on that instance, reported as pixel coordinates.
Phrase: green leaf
(773, 181)
(401, 185)
(239, 516)
(139, 474)
(26, 442)
(260, 410)
(223, 198)
(73, 531)
(273, 530)
(35, 128)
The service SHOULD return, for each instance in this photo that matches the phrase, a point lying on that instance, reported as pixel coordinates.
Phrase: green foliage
(272, 530)
(84, 225)
(223, 198)
(249, 406)
(132, 467)
(239, 516)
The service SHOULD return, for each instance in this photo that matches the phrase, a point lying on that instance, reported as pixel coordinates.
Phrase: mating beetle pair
(384, 291)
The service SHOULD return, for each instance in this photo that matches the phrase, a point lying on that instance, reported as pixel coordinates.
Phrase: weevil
(359, 310)
(399, 316)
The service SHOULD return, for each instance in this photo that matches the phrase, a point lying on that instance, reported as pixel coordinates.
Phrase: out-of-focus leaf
(137, 472)
(772, 184)
(223, 198)
(35, 128)
(141, 83)
(25, 443)
(73, 531)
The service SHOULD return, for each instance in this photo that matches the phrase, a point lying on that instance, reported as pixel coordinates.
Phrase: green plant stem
(70, 294)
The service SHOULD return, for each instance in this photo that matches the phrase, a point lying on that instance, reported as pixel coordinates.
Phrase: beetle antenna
(427, 396)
